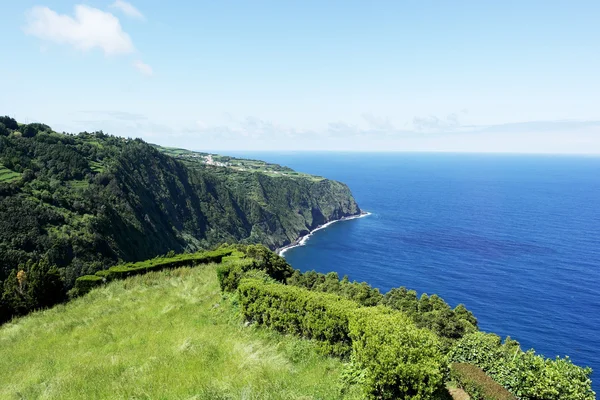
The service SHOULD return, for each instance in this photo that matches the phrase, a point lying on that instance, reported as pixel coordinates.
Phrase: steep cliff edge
(82, 202)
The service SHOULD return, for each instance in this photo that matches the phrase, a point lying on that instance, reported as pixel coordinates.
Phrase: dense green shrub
(361, 292)
(9, 122)
(4, 130)
(274, 265)
(248, 258)
(289, 309)
(391, 357)
(36, 285)
(85, 283)
(430, 312)
(477, 384)
(525, 374)
(157, 264)
(232, 270)
(397, 360)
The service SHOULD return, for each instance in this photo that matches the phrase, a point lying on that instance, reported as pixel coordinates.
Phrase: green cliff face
(82, 202)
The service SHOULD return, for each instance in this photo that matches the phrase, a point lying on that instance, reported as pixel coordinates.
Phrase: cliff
(83, 202)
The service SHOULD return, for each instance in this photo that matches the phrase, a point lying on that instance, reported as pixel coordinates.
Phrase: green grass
(7, 175)
(237, 164)
(79, 184)
(163, 335)
(97, 166)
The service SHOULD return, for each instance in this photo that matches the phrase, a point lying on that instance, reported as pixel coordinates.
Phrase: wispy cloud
(118, 115)
(128, 9)
(378, 123)
(374, 134)
(88, 29)
(436, 124)
(537, 126)
(145, 69)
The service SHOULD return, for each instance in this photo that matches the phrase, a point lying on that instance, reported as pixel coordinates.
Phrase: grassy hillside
(164, 335)
(83, 202)
(212, 332)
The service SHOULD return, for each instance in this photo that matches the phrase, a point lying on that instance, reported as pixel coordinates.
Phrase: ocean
(516, 238)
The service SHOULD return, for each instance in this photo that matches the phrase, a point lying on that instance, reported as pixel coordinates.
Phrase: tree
(9, 122)
(34, 286)
(4, 130)
(45, 287)
(28, 131)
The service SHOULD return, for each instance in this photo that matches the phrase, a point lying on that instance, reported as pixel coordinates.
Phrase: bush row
(396, 359)
(289, 309)
(86, 283)
(390, 356)
(251, 258)
(430, 312)
(525, 374)
(477, 384)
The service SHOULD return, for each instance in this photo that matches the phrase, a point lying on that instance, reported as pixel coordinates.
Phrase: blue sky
(511, 76)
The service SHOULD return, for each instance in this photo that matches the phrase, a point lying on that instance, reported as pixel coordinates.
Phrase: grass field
(7, 175)
(164, 335)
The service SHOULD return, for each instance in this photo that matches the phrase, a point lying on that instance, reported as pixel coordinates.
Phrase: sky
(403, 75)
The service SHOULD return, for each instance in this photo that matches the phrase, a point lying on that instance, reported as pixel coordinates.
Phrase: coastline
(301, 241)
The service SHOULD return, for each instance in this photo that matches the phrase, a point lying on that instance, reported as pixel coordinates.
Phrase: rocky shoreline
(302, 239)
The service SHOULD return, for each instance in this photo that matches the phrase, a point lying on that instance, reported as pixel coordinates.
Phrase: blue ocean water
(516, 238)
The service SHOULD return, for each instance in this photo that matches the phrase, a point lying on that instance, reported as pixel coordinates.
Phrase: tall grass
(163, 335)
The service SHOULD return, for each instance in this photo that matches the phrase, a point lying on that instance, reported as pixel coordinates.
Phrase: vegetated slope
(82, 202)
(167, 334)
(390, 346)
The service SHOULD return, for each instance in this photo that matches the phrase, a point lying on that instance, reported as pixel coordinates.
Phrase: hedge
(85, 283)
(157, 264)
(397, 359)
(289, 309)
(477, 384)
(391, 357)
(525, 374)
(232, 270)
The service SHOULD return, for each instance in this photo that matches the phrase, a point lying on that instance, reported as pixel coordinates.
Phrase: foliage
(274, 265)
(232, 271)
(9, 123)
(288, 309)
(477, 384)
(86, 283)
(247, 259)
(86, 202)
(397, 359)
(427, 312)
(362, 292)
(392, 356)
(525, 374)
(162, 335)
(35, 285)
(432, 312)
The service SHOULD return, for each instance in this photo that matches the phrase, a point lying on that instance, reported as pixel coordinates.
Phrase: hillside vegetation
(78, 213)
(163, 335)
(72, 205)
(165, 332)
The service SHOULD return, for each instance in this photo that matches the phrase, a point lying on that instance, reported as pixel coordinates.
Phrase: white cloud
(128, 9)
(90, 28)
(436, 124)
(145, 69)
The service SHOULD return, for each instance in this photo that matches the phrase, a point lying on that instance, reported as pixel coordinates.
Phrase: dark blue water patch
(514, 238)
